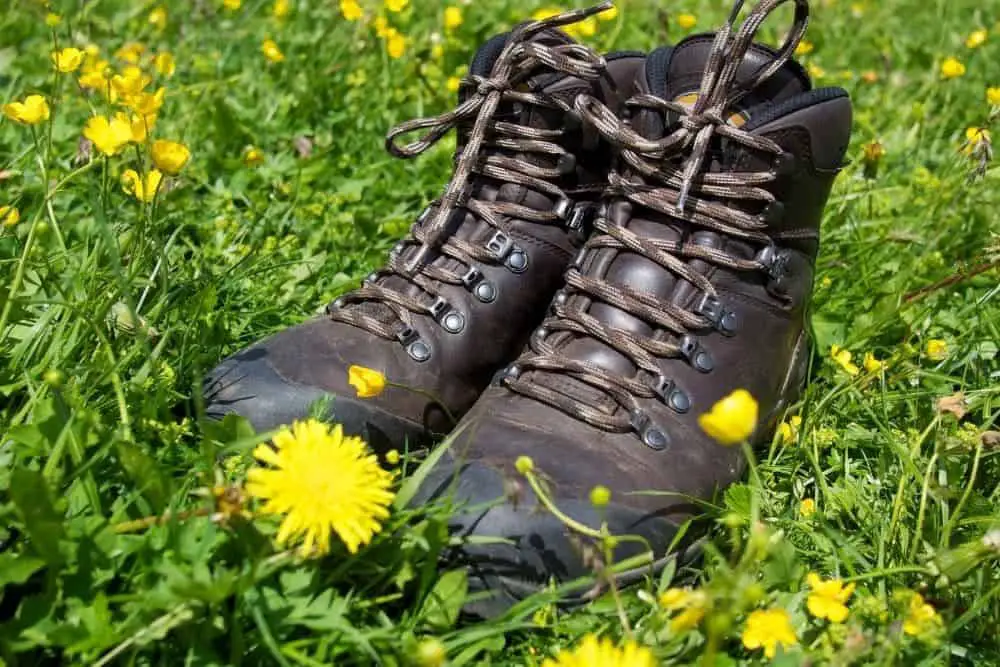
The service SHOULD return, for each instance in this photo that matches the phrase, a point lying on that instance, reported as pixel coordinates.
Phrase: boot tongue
(675, 75)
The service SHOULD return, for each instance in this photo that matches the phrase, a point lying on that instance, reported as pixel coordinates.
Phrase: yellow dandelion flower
(873, 365)
(807, 508)
(815, 71)
(732, 419)
(609, 14)
(395, 43)
(253, 156)
(232, 5)
(351, 10)
(843, 359)
(453, 84)
(67, 60)
(143, 189)
(687, 21)
(52, 19)
(280, 9)
(158, 18)
(952, 68)
(804, 48)
(9, 216)
(692, 605)
(323, 482)
(165, 64)
(597, 652)
(921, 618)
(828, 599)
(368, 382)
(170, 156)
(767, 629)
(108, 136)
(452, 18)
(976, 39)
(788, 431)
(396, 6)
(32, 111)
(131, 52)
(936, 349)
(271, 51)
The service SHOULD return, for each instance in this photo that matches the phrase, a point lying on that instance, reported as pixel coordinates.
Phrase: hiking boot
(695, 283)
(461, 294)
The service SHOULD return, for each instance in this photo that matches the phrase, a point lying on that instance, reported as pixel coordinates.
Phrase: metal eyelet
(438, 308)
(512, 372)
(500, 245)
(336, 304)
(772, 214)
(486, 292)
(775, 262)
(419, 351)
(453, 322)
(784, 165)
(566, 164)
(652, 435)
(670, 395)
(370, 278)
(563, 208)
(472, 278)
(407, 335)
(517, 261)
(697, 356)
(725, 321)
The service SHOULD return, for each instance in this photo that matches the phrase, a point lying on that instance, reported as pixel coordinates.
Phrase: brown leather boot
(696, 283)
(461, 294)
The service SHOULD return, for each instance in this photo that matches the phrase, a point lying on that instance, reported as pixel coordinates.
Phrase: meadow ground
(112, 308)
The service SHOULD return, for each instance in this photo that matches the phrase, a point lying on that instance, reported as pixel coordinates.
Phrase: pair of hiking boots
(625, 240)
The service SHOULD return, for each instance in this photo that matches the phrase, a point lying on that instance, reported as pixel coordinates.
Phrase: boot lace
(667, 176)
(490, 149)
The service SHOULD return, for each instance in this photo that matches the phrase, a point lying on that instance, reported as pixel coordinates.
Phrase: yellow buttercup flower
(158, 18)
(976, 39)
(280, 9)
(381, 25)
(140, 126)
(165, 64)
(131, 52)
(936, 349)
(396, 5)
(921, 618)
(170, 156)
(67, 60)
(815, 71)
(253, 156)
(368, 382)
(232, 5)
(453, 84)
(788, 431)
(452, 18)
(807, 508)
(351, 10)
(828, 599)
(993, 96)
(9, 216)
(395, 43)
(52, 19)
(843, 359)
(975, 138)
(131, 81)
(731, 420)
(871, 364)
(271, 51)
(32, 111)
(687, 21)
(805, 47)
(108, 136)
(323, 482)
(143, 189)
(437, 51)
(952, 68)
(597, 652)
(147, 104)
(94, 74)
(767, 629)
(692, 605)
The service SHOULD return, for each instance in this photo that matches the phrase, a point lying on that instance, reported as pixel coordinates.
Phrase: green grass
(99, 409)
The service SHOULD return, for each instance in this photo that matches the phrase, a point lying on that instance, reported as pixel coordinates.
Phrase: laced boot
(695, 283)
(461, 294)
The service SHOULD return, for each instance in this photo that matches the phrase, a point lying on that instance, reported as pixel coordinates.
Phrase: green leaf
(440, 609)
(147, 475)
(42, 522)
(17, 569)
(827, 332)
